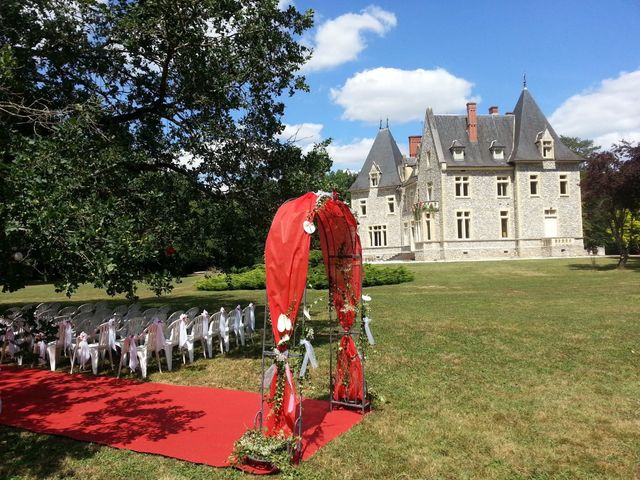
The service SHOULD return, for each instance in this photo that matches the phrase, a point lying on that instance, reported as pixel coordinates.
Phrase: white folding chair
(199, 328)
(218, 327)
(153, 341)
(249, 318)
(238, 325)
(177, 338)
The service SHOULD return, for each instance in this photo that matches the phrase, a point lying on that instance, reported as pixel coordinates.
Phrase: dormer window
(374, 177)
(544, 141)
(457, 150)
(497, 150)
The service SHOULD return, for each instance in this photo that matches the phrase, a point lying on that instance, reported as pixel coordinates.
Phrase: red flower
(170, 250)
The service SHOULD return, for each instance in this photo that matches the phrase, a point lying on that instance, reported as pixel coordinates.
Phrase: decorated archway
(286, 262)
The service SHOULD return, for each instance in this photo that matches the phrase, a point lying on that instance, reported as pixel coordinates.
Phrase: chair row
(83, 338)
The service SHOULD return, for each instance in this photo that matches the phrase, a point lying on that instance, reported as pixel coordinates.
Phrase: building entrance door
(550, 223)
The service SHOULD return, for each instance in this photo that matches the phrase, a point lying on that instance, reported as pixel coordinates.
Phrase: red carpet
(196, 424)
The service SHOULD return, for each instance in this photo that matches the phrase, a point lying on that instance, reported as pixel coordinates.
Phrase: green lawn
(492, 370)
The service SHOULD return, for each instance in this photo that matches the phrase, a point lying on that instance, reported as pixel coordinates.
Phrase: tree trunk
(624, 256)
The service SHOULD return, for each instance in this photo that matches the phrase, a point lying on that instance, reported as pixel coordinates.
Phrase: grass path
(496, 370)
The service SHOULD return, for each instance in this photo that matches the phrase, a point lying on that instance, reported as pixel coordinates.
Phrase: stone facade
(514, 192)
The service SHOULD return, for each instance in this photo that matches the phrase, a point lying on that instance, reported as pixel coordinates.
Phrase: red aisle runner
(197, 424)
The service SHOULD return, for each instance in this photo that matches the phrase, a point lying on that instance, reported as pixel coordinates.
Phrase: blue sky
(374, 60)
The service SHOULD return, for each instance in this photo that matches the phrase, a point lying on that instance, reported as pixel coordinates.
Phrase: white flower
(284, 323)
(366, 298)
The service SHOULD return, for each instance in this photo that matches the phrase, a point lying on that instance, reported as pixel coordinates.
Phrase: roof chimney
(493, 110)
(472, 122)
(414, 145)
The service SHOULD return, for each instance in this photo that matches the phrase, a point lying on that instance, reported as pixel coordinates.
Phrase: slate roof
(453, 128)
(386, 155)
(529, 122)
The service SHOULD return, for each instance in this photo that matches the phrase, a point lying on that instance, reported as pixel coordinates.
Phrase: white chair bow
(224, 329)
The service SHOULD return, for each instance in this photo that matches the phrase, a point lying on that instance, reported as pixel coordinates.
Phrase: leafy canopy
(136, 136)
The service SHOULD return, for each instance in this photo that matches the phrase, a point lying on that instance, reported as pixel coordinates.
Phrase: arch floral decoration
(286, 263)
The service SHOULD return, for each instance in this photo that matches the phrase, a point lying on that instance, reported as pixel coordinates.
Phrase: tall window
(374, 178)
(564, 185)
(463, 221)
(533, 185)
(462, 187)
(429, 191)
(503, 187)
(363, 207)
(504, 224)
(391, 205)
(427, 226)
(378, 236)
(416, 231)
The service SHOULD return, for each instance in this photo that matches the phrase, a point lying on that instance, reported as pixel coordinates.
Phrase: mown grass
(496, 370)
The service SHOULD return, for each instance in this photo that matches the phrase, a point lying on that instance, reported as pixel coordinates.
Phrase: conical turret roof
(529, 122)
(386, 156)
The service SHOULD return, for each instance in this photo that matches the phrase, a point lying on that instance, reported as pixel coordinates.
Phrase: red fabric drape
(342, 253)
(348, 383)
(285, 420)
(341, 250)
(286, 260)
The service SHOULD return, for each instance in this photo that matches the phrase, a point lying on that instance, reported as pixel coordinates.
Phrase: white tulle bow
(309, 356)
(367, 330)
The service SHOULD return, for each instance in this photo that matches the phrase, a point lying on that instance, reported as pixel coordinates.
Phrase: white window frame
(391, 201)
(374, 178)
(504, 223)
(534, 178)
(545, 144)
(381, 238)
(463, 183)
(502, 181)
(463, 224)
(563, 179)
(362, 203)
(457, 153)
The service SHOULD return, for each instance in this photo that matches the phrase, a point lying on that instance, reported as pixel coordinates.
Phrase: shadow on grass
(31, 455)
(633, 264)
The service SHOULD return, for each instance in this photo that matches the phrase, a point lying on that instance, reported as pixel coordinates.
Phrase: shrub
(216, 283)
(255, 278)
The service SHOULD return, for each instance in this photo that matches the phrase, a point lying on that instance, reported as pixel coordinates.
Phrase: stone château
(473, 187)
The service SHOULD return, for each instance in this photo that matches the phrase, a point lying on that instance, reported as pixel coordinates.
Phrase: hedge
(254, 278)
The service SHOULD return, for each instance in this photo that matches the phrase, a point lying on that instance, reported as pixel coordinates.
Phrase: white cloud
(284, 4)
(350, 156)
(605, 114)
(341, 39)
(345, 156)
(303, 135)
(401, 95)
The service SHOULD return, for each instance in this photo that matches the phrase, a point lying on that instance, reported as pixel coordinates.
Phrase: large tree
(611, 192)
(583, 147)
(136, 134)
